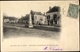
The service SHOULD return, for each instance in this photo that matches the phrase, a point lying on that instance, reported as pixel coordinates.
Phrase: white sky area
(20, 8)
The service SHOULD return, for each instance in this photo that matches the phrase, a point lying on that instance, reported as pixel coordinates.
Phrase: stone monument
(29, 25)
(30, 21)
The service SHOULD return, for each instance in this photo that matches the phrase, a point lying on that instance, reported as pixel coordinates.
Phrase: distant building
(38, 18)
(5, 20)
(8, 19)
(53, 16)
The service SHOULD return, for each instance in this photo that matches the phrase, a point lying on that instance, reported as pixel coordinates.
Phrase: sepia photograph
(40, 25)
(34, 22)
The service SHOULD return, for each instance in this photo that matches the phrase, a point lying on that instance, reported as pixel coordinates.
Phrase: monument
(30, 21)
(29, 25)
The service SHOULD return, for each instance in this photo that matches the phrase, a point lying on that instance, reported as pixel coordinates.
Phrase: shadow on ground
(47, 28)
(39, 27)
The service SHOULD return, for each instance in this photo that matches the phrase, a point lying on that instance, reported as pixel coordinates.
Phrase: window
(48, 17)
(35, 17)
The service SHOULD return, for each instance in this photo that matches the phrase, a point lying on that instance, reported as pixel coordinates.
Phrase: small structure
(5, 20)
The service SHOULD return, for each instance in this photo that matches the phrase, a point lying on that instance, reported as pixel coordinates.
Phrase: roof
(54, 9)
(38, 13)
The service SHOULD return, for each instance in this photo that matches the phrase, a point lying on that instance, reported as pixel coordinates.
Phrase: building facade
(53, 16)
(38, 18)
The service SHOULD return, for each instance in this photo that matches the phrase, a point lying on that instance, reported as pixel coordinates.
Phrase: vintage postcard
(39, 25)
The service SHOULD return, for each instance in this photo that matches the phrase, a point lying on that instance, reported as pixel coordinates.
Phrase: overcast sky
(21, 8)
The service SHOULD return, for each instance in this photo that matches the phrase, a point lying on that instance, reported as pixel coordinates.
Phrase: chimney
(49, 8)
(44, 13)
(31, 12)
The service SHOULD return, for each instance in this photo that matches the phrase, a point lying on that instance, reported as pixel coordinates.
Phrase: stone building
(53, 16)
(38, 18)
